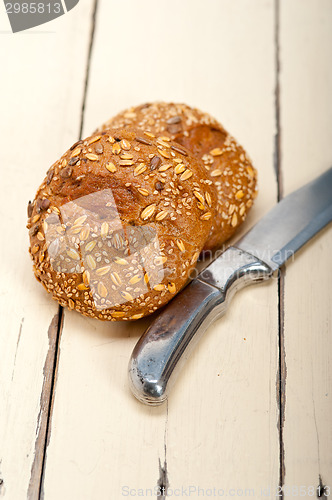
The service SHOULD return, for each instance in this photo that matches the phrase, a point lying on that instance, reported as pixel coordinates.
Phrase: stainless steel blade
(291, 223)
(163, 349)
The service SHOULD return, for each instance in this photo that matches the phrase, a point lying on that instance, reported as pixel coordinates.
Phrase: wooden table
(251, 411)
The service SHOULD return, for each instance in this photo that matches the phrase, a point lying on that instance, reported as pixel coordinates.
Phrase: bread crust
(118, 223)
(225, 161)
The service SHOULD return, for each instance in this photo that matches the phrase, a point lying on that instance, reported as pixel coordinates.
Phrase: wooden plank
(306, 80)
(220, 425)
(41, 97)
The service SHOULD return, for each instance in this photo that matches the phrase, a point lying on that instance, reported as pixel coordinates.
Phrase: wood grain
(223, 411)
(69, 426)
(41, 98)
(306, 82)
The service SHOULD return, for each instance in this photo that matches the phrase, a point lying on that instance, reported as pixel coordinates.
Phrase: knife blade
(163, 349)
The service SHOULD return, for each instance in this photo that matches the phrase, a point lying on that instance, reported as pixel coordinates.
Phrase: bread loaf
(225, 161)
(119, 222)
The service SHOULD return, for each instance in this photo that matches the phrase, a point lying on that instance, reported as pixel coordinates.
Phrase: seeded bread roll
(225, 161)
(119, 222)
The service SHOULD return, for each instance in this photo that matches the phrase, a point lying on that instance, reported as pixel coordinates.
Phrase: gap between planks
(282, 369)
(35, 491)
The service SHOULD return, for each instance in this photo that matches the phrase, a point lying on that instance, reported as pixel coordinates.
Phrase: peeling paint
(163, 481)
(47, 393)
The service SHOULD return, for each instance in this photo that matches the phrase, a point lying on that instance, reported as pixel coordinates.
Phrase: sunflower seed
(76, 144)
(155, 162)
(49, 176)
(45, 204)
(99, 149)
(143, 141)
(173, 120)
(179, 150)
(174, 128)
(30, 209)
(66, 172)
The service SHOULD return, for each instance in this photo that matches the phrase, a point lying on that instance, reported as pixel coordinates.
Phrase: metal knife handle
(166, 345)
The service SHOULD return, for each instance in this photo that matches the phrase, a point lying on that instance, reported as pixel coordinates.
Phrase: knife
(165, 346)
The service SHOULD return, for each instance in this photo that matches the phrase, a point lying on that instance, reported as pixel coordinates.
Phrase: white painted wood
(41, 87)
(221, 427)
(306, 82)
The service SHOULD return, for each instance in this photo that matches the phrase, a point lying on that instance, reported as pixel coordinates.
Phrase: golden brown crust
(118, 223)
(226, 162)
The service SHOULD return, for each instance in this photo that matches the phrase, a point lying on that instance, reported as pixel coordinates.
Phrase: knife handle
(165, 346)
